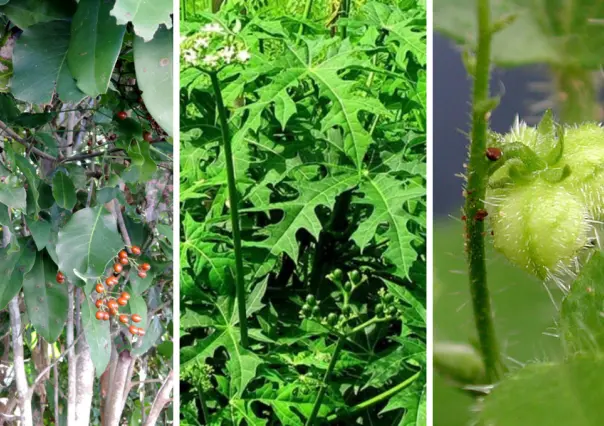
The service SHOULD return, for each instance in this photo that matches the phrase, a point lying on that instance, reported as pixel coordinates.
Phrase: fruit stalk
(324, 383)
(234, 208)
(478, 168)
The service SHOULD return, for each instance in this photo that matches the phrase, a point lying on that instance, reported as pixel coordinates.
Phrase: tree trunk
(161, 400)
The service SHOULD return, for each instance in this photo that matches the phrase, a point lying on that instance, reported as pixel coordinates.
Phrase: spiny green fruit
(546, 193)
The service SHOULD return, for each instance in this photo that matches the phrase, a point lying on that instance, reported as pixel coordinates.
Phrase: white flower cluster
(214, 47)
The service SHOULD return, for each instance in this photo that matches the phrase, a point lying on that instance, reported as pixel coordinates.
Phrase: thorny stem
(476, 190)
(234, 208)
(324, 384)
(377, 399)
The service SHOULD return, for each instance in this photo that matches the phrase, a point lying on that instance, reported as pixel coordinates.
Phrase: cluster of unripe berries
(108, 305)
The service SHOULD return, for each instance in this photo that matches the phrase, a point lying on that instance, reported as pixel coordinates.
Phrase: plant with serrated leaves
(540, 191)
(85, 209)
(303, 195)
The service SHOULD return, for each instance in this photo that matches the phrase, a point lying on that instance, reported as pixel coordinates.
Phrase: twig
(14, 136)
(121, 224)
(19, 363)
(161, 400)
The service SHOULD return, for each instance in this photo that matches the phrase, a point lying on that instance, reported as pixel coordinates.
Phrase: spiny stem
(324, 384)
(476, 190)
(377, 399)
(234, 208)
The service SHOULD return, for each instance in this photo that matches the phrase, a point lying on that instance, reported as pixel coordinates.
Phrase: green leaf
(88, 242)
(581, 320)
(153, 65)
(98, 337)
(300, 213)
(32, 181)
(413, 401)
(142, 165)
(12, 193)
(40, 68)
(153, 333)
(146, 16)
(45, 299)
(388, 195)
(548, 394)
(25, 13)
(95, 45)
(64, 191)
(8, 108)
(41, 232)
(13, 265)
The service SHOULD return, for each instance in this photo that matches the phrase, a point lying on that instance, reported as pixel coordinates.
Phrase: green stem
(344, 13)
(377, 399)
(478, 168)
(324, 384)
(307, 11)
(234, 208)
(204, 409)
(576, 95)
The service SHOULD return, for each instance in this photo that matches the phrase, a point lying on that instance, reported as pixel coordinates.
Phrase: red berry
(145, 267)
(122, 115)
(112, 304)
(124, 319)
(99, 288)
(124, 260)
(133, 330)
(148, 136)
(122, 302)
(122, 254)
(98, 303)
(105, 316)
(142, 274)
(117, 268)
(114, 311)
(136, 250)
(140, 332)
(60, 277)
(125, 295)
(136, 318)
(100, 315)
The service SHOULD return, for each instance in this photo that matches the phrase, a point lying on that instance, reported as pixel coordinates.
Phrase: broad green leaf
(25, 13)
(95, 44)
(45, 299)
(64, 191)
(137, 305)
(146, 15)
(98, 337)
(569, 393)
(142, 165)
(153, 332)
(388, 195)
(153, 63)
(88, 242)
(540, 33)
(40, 67)
(8, 108)
(300, 213)
(32, 181)
(12, 193)
(41, 232)
(581, 320)
(13, 265)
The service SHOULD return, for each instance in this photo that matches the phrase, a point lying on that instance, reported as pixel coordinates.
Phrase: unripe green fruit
(332, 319)
(337, 274)
(348, 286)
(310, 300)
(316, 311)
(355, 276)
(306, 309)
(388, 298)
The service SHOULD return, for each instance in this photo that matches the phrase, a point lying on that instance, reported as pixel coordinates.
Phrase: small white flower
(211, 60)
(213, 28)
(227, 54)
(243, 56)
(202, 42)
(190, 55)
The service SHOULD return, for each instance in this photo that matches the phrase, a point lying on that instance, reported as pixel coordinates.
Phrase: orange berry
(105, 316)
(100, 315)
(99, 288)
(145, 266)
(112, 304)
(60, 277)
(125, 295)
(136, 250)
(133, 330)
(124, 319)
(141, 332)
(117, 268)
(122, 302)
(136, 318)
(122, 254)
(124, 260)
(98, 303)
(115, 311)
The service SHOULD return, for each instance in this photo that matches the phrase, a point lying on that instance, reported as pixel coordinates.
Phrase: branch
(161, 400)
(72, 361)
(113, 410)
(14, 136)
(19, 363)
(121, 224)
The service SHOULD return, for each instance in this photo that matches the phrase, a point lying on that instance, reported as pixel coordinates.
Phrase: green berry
(355, 276)
(307, 309)
(379, 308)
(337, 275)
(348, 286)
(388, 298)
(310, 300)
(346, 310)
(332, 319)
(316, 311)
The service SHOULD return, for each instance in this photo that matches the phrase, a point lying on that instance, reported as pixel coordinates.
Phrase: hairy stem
(377, 399)
(475, 194)
(324, 384)
(576, 95)
(234, 208)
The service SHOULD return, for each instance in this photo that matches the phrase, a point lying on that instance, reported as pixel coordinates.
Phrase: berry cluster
(108, 304)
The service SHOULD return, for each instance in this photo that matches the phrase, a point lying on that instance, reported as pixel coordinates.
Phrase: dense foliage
(85, 209)
(326, 121)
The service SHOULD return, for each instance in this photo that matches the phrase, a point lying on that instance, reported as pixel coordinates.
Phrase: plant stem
(344, 12)
(576, 95)
(234, 208)
(204, 408)
(378, 398)
(324, 384)
(475, 194)
(307, 11)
